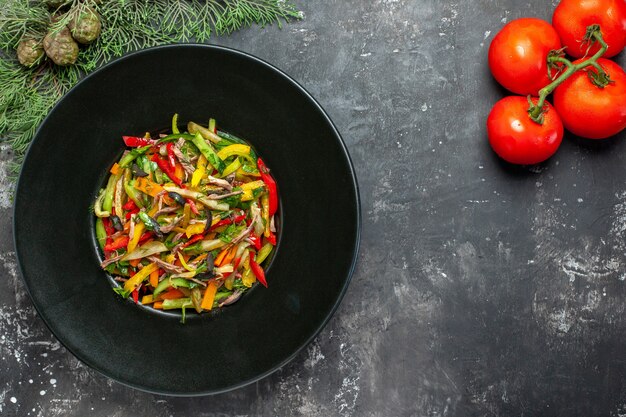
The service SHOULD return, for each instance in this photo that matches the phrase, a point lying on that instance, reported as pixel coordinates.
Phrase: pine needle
(28, 94)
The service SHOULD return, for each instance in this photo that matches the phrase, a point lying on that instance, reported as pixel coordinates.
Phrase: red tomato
(590, 111)
(518, 55)
(519, 140)
(572, 17)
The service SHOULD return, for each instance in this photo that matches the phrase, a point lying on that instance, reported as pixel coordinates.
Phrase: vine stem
(535, 111)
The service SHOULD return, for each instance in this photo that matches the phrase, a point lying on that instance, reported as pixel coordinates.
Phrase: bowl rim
(353, 177)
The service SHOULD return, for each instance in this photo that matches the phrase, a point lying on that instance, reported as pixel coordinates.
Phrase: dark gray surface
(480, 290)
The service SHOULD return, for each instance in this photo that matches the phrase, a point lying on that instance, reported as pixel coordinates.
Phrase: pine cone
(29, 52)
(86, 26)
(60, 47)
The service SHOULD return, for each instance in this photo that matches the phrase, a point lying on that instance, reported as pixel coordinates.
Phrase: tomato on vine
(518, 55)
(516, 138)
(593, 105)
(572, 17)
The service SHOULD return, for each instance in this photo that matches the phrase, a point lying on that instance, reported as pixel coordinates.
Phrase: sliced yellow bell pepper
(147, 299)
(134, 241)
(199, 172)
(184, 263)
(228, 282)
(248, 278)
(242, 173)
(139, 277)
(265, 214)
(186, 216)
(248, 189)
(252, 185)
(237, 149)
(194, 229)
(139, 229)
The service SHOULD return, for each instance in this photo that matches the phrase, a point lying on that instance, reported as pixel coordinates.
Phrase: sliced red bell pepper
(130, 206)
(192, 240)
(171, 158)
(130, 213)
(193, 207)
(136, 142)
(271, 186)
(257, 270)
(135, 295)
(120, 242)
(256, 241)
(272, 239)
(167, 170)
(228, 221)
(108, 228)
(145, 237)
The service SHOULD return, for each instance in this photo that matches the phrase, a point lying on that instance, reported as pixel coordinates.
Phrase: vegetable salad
(187, 220)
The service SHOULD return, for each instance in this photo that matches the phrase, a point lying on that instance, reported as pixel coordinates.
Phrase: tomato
(518, 55)
(589, 111)
(572, 17)
(518, 139)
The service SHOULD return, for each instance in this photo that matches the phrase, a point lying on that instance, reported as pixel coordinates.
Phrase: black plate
(67, 162)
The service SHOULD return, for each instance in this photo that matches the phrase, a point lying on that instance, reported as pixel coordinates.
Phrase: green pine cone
(86, 26)
(29, 52)
(61, 47)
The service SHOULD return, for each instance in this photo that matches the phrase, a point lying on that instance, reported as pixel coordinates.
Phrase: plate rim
(357, 237)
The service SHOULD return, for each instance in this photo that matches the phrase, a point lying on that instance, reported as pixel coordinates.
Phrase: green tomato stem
(535, 111)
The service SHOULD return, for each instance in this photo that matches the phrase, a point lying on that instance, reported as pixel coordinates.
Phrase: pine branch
(28, 94)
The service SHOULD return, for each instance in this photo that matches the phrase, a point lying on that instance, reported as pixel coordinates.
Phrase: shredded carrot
(154, 278)
(127, 226)
(209, 296)
(231, 255)
(221, 256)
(200, 258)
(158, 305)
(171, 294)
(115, 169)
(134, 262)
(169, 201)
